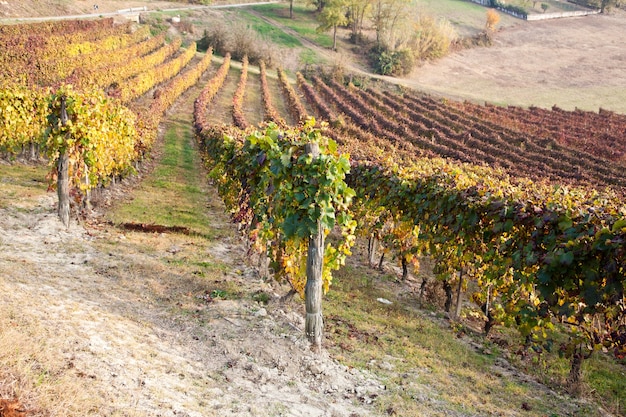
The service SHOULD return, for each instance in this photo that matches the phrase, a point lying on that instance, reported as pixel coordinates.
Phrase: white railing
(133, 10)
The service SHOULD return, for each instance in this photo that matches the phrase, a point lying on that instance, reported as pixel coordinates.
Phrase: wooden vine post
(63, 189)
(313, 290)
(459, 289)
(372, 243)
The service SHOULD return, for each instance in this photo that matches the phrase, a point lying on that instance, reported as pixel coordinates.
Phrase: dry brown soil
(107, 316)
(575, 62)
(45, 8)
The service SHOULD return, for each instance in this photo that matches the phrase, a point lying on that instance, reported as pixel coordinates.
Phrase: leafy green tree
(332, 16)
(319, 5)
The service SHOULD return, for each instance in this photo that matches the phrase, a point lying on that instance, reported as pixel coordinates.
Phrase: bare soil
(128, 334)
(45, 8)
(573, 62)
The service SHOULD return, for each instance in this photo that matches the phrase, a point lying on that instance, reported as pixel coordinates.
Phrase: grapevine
(239, 119)
(271, 115)
(278, 193)
(99, 137)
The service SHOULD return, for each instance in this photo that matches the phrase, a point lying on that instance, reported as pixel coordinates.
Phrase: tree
(319, 5)
(544, 6)
(386, 14)
(357, 9)
(492, 20)
(333, 15)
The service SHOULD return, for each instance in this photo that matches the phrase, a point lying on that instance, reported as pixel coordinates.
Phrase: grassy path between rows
(175, 192)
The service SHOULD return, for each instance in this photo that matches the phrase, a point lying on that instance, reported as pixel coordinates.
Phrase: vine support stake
(459, 289)
(63, 189)
(314, 323)
(372, 243)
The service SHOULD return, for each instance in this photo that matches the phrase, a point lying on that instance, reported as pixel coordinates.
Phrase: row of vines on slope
(109, 73)
(286, 190)
(271, 114)
(23, 106)
(450, 135)
(542, 255)
(90, 136)
(239, 119)
(601, 134)
(100, 137)
(208, 93)
(587, 167)
(38, 59)
(147, 79)
(539, 254)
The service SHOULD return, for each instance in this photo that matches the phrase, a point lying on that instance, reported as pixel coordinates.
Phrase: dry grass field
(577, 62)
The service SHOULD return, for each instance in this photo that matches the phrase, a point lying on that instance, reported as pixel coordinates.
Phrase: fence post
(63, 190)
(314, 323)
(457, 311)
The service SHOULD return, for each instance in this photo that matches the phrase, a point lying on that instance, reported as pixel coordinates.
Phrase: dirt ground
(45, 8)
(109, 316)
(574, 62)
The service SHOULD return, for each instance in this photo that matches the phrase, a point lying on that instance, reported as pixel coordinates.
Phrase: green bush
(386, 62)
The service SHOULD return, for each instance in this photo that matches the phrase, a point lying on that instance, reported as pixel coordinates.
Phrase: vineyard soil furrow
(252, 98)
(220, 109)
(277, 98)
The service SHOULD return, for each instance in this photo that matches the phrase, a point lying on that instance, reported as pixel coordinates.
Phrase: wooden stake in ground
(459, 289)
(314, 324)
(63, 188)
(372, 242)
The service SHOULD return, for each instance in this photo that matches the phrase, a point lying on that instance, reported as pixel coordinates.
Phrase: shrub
(387, 62)
(431, 38)
(492, 20)
(239, 40)
(422, 38)
(216, 37)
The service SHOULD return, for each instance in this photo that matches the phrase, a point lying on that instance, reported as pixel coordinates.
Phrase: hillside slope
(45, 8)
(99, 320)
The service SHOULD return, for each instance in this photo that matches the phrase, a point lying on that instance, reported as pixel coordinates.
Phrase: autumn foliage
(493, 18)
